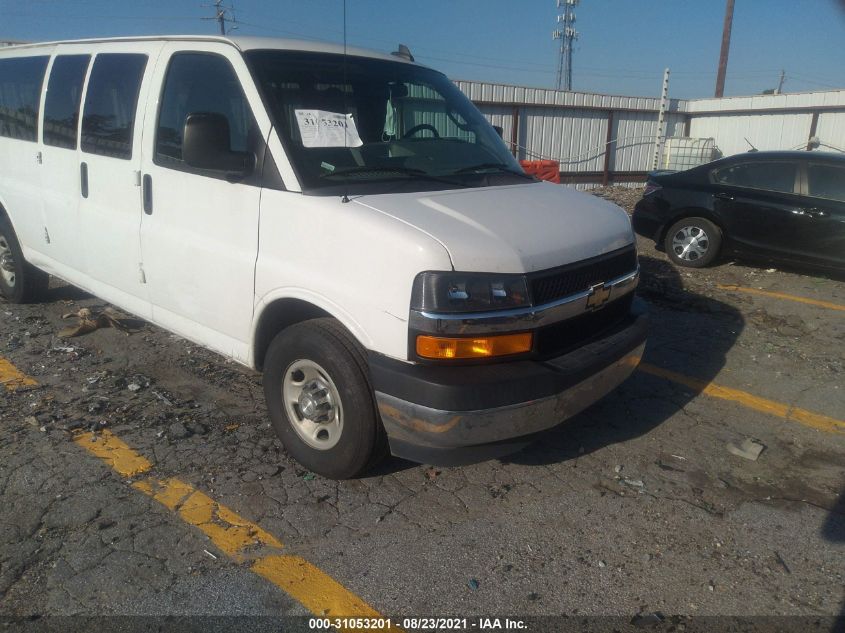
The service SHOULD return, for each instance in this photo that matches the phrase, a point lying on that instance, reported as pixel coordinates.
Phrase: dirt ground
(634, 508)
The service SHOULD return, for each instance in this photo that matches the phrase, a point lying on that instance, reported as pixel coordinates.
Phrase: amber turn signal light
(439, 348)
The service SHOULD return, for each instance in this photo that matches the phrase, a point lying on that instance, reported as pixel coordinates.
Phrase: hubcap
(690, 243)
(7, 262)
(312, 403)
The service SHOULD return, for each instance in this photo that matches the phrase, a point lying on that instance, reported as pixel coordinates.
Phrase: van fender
(317, 300)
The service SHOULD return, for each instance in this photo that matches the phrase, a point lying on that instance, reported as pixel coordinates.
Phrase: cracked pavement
(634, 506)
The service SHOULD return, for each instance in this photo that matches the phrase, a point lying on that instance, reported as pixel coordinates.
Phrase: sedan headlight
(468, 292)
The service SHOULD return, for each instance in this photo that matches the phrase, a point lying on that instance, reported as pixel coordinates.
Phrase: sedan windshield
(378, 124)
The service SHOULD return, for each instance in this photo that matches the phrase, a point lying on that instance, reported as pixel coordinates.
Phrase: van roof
(243, 43)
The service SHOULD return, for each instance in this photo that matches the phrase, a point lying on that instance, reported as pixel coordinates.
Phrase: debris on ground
(473, 584)
(782, 562)
(178, 431)
(748, 449)
(431, 473)
(89, 322)
(647, 620)
(634, 483)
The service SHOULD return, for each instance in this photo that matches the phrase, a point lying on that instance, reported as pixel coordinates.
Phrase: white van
(349, 224)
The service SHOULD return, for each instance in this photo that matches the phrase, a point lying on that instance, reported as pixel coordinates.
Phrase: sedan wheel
(690, 243)
(693, 242)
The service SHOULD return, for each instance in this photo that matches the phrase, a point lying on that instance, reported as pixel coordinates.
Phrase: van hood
(511, 229)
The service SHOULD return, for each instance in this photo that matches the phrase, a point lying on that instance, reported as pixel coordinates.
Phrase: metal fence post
(661, 120)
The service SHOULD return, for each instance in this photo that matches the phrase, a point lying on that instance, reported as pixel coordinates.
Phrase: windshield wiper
(501, 167)
(390, 169)
(363, 169)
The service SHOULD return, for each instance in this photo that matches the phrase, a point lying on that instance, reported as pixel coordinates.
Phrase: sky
(623, 47)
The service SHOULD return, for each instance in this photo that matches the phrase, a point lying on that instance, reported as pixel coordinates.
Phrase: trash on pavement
(88, 322)
(748, 449)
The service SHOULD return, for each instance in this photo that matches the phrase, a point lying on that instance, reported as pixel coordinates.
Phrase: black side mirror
(499, 130)
(205, 145)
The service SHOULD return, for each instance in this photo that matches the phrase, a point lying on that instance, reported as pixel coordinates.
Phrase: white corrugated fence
(609, 139)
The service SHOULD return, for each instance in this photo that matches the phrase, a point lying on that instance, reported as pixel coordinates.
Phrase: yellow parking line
(785, 411)
(12, 378)
(315, 590)
(240, 539)
(783, 295)
(114, 452)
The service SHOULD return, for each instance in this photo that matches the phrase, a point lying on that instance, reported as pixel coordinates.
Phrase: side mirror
(205, 145)
(499, 130)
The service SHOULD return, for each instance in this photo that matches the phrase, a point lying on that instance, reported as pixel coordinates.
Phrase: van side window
(20, 95)
(200, 82)
(110, 103)
(64, 92)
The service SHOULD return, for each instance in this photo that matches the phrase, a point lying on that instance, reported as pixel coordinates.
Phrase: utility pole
(780, 83)
(222, 15)
(726, 46)
(567, 35)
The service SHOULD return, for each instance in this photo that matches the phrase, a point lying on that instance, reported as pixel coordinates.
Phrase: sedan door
(824, 212)
(760, 206)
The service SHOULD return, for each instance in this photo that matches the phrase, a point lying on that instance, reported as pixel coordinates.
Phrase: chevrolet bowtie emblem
(599, 294)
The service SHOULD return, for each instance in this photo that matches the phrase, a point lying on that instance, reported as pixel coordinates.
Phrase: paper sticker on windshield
(319, 128)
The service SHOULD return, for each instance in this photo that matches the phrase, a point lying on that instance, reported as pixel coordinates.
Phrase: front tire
(20, 281)
(320, 399)
(693, 242)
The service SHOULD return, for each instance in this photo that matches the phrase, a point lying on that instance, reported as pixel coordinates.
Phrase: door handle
(83, 179)
(723, 196)
(147, 194)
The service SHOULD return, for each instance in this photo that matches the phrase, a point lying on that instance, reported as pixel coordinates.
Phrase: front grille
(564, 336)
(554, 284)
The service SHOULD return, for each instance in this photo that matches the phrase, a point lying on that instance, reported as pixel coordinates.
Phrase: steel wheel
(7, 262)
(690, 243)
(313, 405)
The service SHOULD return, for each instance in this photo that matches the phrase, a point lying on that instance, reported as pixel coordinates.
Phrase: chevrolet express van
(346, 222)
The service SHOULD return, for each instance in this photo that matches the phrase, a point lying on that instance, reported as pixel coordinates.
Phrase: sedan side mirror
(205, 145)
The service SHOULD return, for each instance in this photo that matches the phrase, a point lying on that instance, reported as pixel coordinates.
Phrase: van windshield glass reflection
(363, 120)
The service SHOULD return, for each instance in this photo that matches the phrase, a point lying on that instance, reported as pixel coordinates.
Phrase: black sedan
(778, 206)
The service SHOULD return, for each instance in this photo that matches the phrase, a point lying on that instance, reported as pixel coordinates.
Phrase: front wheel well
(277, 316)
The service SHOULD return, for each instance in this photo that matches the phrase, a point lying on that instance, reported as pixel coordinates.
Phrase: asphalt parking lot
(139, 476)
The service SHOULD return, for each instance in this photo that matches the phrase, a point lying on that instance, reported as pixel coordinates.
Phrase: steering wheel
(423, 126)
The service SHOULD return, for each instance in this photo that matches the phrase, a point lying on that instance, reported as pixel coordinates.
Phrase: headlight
(468, 292)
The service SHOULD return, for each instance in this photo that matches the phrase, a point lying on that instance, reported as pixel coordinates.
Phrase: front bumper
(453, 415)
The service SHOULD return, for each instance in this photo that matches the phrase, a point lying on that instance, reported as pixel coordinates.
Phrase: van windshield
(373, 125)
